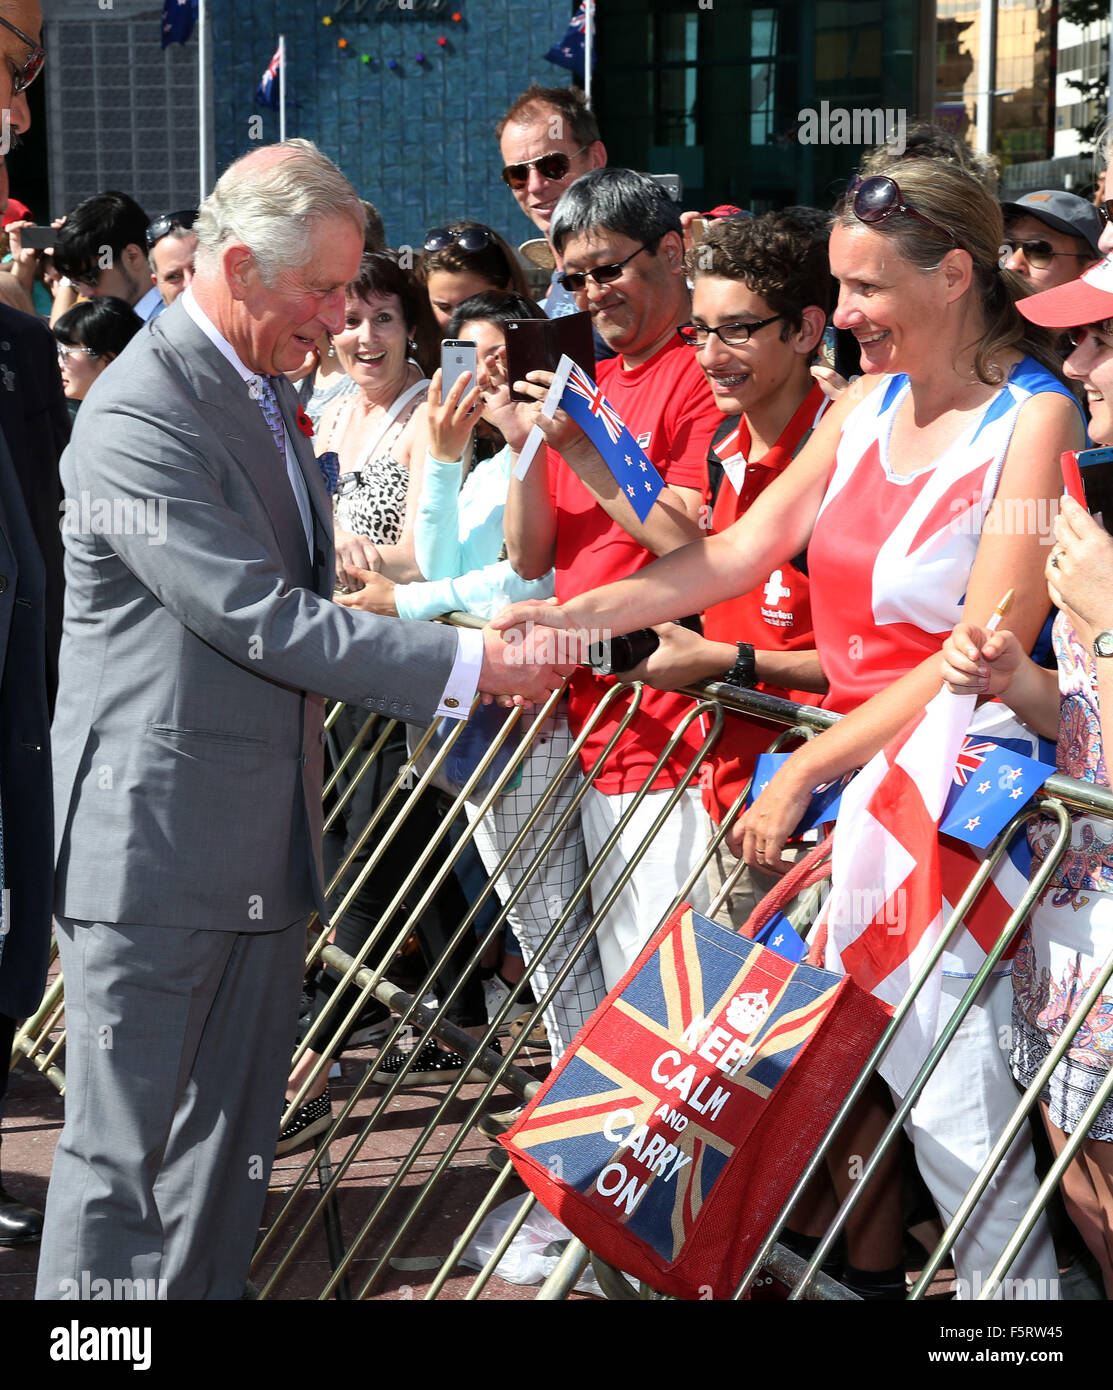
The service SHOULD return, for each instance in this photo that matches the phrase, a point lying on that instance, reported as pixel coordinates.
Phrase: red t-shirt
(668, 408)
(776, 616)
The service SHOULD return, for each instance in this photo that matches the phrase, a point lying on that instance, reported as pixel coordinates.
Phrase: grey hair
(620, 200)
(272, 208)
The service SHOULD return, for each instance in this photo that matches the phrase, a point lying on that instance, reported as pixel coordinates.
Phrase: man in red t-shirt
(620, 239)
(761, 295)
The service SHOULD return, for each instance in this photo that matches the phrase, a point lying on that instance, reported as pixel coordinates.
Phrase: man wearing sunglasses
(548, 139)
(620, 238)
(25, 785)
(1051, 237)
(102, 249)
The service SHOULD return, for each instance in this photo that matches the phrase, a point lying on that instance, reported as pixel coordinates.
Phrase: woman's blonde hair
(970, 219)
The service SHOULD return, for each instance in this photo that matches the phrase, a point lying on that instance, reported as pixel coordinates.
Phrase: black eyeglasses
(466, 238)
(732, 334)
(549, 166)
(574, 280)
(165, 224)
(1037, 252)
(32, 64)
(1105, 209)
(878, 198)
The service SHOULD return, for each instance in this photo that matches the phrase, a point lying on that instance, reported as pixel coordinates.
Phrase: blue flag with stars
(620, 451)
(781, 936)
(569, 51)
(991, 783)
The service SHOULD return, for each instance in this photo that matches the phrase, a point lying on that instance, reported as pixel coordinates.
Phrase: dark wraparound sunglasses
(466, 238)
(574, 280)
(878, 198)
(1037, 252)
(1105, 209)
(32, 64)
(166, 223)
(549, 166)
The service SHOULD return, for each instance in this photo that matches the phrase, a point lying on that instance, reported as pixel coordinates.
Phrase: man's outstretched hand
(523, 667)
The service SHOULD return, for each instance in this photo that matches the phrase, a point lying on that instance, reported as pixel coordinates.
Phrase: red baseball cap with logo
(1089, 299)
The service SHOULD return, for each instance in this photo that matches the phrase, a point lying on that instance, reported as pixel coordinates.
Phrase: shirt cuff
(463, 679)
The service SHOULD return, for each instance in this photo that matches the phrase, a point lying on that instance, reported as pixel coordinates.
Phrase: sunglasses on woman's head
(877, 198)
(549, 166)
(466, 238)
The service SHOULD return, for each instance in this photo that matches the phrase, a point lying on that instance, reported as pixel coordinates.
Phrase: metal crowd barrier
(350, 1215)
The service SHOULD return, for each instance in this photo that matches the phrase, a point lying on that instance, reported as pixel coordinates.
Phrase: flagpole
(589, 37)
(203, 93)
(282, 86)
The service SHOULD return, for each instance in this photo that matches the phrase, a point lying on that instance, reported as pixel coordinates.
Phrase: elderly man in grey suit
(199, 640)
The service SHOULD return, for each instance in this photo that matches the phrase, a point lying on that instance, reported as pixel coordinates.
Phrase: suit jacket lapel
(246, 433)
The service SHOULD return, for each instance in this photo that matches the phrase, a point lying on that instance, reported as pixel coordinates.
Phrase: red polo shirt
(668, 408)
(775, 616)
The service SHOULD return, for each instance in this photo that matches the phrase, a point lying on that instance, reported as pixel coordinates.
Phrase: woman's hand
(1080, 570)
(354, 556)
(977, 662)
(451, 422)
(759, 834)
(375, 594)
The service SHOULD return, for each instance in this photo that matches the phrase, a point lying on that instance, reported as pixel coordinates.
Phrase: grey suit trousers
(178, 1045)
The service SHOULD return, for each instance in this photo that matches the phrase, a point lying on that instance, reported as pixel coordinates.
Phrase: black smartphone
(38, 238)
(1096, 469)
(537, 345)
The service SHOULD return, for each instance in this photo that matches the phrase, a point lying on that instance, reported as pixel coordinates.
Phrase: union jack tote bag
(674, 1128)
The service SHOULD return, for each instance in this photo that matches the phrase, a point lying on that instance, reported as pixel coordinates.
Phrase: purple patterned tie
(263, 392)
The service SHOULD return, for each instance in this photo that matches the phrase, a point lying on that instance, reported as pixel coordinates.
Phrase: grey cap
(1066, 212)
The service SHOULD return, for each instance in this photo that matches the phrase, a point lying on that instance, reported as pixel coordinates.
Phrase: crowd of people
(820, 391)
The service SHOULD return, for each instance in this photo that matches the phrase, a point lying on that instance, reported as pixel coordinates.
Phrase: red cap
(1089, 299)
(727, 210)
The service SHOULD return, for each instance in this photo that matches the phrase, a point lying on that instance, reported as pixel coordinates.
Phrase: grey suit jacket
(187, 752)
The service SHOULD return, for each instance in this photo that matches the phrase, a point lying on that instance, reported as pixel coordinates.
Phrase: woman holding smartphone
(1070, 932)
(458, 541)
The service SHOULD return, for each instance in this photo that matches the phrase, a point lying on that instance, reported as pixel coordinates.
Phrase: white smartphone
(458, 355)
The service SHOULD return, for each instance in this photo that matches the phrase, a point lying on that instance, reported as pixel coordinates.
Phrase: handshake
(529, 651)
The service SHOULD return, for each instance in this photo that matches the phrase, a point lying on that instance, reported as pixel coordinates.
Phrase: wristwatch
(744, 671)
(1103, 643)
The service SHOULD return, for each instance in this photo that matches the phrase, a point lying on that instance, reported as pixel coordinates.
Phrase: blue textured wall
(418, 141)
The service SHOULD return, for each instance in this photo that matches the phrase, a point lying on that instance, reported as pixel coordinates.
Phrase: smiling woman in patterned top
(379, 429)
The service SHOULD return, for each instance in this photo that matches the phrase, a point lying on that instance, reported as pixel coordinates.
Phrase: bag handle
(813, 868)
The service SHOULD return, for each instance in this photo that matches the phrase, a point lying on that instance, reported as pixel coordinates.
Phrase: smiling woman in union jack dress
(903, 497)
(1070, 933)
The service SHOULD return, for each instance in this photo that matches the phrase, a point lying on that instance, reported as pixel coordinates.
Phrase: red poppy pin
(305, 424)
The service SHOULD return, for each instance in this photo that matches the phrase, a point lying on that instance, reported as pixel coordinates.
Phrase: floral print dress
(1070, 933)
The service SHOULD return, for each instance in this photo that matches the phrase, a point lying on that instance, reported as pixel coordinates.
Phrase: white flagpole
(282, 86)
(203, 93)
(589, 36)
